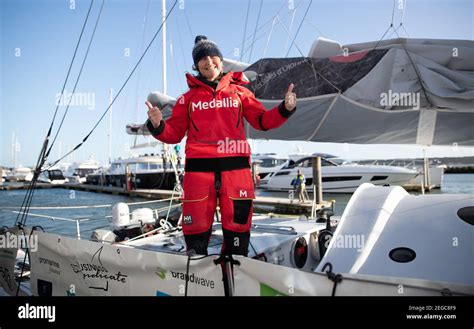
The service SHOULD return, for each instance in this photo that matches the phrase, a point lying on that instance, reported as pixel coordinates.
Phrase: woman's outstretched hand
(290, 98)
(154, 114)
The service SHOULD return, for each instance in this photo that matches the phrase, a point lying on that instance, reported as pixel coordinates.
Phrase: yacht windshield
(268, 163)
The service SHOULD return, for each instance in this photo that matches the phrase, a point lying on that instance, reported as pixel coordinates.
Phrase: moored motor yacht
(268, 163)
(20, 174)
(146, 172)
(337, 176)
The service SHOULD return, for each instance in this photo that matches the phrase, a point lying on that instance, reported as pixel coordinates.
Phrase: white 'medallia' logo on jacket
(226, 102)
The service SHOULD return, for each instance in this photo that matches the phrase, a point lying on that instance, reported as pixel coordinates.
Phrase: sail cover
(399, 91)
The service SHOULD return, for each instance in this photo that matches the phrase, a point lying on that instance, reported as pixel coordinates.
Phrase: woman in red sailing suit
(217, 166)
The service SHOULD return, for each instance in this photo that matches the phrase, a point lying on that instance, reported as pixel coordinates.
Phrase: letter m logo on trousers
(243, 194)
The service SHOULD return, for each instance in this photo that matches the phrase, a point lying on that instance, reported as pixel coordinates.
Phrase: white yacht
(338, 176)
(147, 172)
(78, 171)
(3, 175)
(435, 169)
(268, 163)
(20, 174)
(52, 176)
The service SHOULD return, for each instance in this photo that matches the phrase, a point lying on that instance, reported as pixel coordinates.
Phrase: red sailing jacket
(213, 119)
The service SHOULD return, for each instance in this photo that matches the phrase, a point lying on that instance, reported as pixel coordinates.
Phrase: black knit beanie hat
(204, 47)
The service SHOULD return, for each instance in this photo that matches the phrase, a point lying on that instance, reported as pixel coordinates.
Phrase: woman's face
(210, 67)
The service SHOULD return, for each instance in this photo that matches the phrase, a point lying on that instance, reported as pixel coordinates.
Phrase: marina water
(93, 218)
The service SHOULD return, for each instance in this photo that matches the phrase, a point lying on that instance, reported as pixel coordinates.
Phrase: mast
(163, 20)
(110, 126)
(13, 150)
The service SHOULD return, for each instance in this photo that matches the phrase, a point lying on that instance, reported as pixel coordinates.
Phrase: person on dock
(217, 166)
(299, 183)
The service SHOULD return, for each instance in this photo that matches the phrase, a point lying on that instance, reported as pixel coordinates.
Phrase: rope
(188, 265)
(27, 253)
(336, 278)
(187, 271)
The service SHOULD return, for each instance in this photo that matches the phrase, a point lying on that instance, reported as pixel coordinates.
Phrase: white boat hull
(340, 179)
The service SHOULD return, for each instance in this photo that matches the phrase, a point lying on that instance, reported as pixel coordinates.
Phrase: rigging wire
(275, 18)
(188, 24)
(272, 19)
(120, 90)
(263, 25)
(314, 27)
(269, 37)
(389, 27)
(403, 17)
(78, 78)
(420, 80)
(180, 42)
(255, 31)
(299, 27)
(175, 63)
(290, 28)
(315, 71)
(41, 157)
(245, 31)
(145, 23)
(72, 61)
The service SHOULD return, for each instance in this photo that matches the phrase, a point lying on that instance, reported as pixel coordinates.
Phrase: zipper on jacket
(190, 118)
(194, 125)
(239, 114)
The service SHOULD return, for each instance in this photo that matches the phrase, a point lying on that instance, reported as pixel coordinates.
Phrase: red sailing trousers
(235, 196)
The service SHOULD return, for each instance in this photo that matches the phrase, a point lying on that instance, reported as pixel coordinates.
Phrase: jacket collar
(224, 82)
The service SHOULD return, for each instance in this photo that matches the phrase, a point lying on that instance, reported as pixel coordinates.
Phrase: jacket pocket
(195, 214)
(241, 203)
